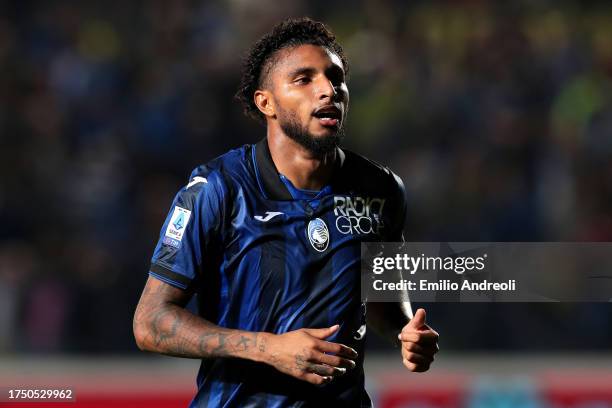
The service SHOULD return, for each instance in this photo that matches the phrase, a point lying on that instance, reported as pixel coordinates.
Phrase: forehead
(305, 56)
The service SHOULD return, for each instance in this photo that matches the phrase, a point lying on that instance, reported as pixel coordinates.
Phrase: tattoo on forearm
(243, 343)
(175, 331)
(262, 344)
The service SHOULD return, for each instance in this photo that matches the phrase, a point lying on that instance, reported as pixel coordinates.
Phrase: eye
(336, 78)
(302, 80)
(335, 74)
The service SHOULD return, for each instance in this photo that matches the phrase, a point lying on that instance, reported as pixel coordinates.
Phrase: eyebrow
(302, 71)
(310, 70)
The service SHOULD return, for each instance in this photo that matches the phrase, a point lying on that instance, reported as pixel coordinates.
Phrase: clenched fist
(419, 343)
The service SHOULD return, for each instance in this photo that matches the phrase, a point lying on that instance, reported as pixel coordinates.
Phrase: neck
(304, 169)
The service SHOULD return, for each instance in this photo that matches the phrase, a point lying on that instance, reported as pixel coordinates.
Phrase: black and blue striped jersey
(263, 255)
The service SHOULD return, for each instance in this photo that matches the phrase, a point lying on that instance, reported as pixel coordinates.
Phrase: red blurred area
(136, 400)
(461, 381)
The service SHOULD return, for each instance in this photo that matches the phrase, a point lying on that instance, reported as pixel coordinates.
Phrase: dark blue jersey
(265, 256)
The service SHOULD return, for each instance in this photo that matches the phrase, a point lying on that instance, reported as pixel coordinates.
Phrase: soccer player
(268, 236)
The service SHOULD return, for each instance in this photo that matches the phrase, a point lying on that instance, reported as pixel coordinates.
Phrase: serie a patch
(176, 227)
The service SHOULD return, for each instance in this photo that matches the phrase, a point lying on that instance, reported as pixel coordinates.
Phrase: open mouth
(328, 115)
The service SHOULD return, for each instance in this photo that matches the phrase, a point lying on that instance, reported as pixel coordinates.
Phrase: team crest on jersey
(176, 227)
(318, 234)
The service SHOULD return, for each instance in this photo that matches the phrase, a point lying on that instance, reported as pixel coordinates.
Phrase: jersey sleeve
(192, 227)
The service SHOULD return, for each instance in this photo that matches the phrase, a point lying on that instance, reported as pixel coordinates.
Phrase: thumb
(324, 332)
(418, 320)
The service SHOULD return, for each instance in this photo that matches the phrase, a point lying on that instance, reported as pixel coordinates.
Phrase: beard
(318, 146)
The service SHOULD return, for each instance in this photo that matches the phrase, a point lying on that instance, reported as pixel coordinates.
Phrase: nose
(327, 90)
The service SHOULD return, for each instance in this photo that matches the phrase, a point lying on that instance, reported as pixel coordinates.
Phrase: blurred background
(497, 115)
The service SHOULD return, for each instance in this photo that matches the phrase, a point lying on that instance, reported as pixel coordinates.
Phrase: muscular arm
(163, 325)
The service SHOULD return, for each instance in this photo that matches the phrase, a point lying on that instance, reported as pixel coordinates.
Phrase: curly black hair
(260, 59)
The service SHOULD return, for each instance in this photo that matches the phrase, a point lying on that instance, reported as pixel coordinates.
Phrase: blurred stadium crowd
(497, 116)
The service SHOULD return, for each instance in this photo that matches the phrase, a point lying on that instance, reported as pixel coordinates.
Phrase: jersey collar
(268, 177)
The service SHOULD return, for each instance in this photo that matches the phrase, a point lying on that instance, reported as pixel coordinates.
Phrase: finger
(424, 329)
(331, 360)
(323, 333)
(325, 370)
(316, 379)
(337, 349)
(415, 367)
(418, 359)
(421, 337)
(418, 320)
(428, 350)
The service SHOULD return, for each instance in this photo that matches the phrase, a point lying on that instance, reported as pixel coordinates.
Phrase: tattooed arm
(163, 325)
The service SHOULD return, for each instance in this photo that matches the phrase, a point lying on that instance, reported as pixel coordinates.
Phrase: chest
(335, 222)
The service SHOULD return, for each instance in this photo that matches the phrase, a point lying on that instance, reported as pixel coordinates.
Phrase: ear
(265, 103)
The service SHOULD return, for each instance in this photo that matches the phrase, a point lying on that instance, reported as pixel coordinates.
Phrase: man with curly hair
(268, 237)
